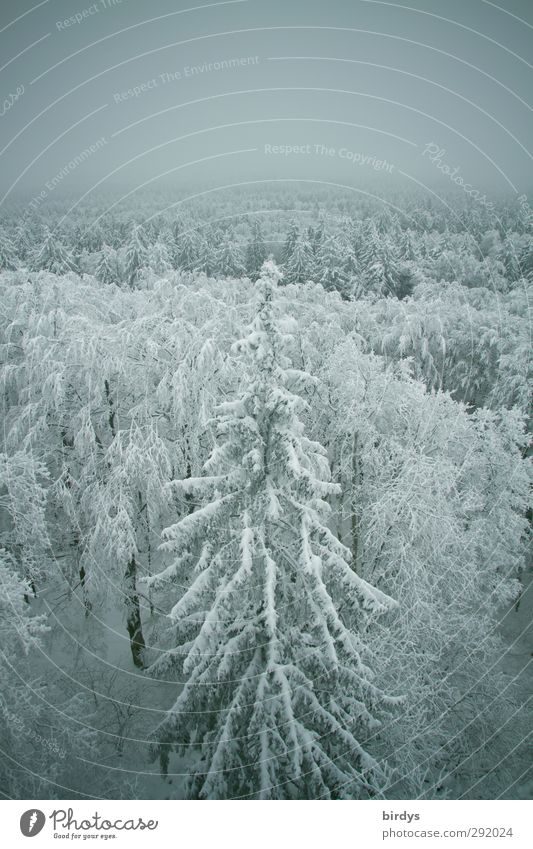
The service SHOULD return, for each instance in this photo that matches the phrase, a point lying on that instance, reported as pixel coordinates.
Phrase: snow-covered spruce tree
(256, 252)
(53, 256)
(301, 263)
(136, 255)
(8, 256)
(293, 234)
(187, 250)
(107, 270)
(229, 259)
(159, 259)
(270, 630)
(21, 242)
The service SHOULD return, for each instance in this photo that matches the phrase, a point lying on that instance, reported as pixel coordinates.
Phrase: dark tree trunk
(189, 498)
(112, 411)
(133, 615)
(75, 544)
(356, 480)
(86, 602)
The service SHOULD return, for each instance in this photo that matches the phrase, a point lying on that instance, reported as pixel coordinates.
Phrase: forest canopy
(264, 497)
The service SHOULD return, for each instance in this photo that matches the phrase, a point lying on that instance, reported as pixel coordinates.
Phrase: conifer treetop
(270, 627)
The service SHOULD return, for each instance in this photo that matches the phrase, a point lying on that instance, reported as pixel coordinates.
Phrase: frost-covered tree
(408, 247)
(336, 266)
(124, 508)
(53, 256)
(316, 235)
(19, 631)
(292, 237)
(279, 693)
(23, 497)
(21, 242)
(433, 498)
(159, 258)
(107, 270)
(229, 260)
(47, 742)
(187, 250)
(136, 254)
(380, 264)
(8, 256)
(301, 262)
(419, 395)
(255, 251)
(510, 256)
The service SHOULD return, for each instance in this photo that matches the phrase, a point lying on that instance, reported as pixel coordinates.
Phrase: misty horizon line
(311, 185)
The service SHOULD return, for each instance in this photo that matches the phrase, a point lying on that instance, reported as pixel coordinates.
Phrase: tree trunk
(133, 614)
(112, 411)
(356, 480)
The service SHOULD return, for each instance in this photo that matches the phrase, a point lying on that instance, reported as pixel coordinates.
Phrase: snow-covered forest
(264, 497)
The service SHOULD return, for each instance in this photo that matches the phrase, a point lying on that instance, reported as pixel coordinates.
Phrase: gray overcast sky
(373, 82)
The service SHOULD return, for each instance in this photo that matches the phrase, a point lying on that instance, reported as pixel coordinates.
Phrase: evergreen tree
(509, 257)
(229, 258)
(53, 257)
(317, 236)
(301, 264)
(255, 252)
(21, 242)
(271, 628)
(380, 264)
(187, 252)
(8, 257)
(159, 259)
(136, 254)
(107, 270)
(336, 266)
(526, 260)
(166, 237)
(290, 241)
(407, 249)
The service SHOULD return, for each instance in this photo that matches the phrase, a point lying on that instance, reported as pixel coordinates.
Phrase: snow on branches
(279, 692)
